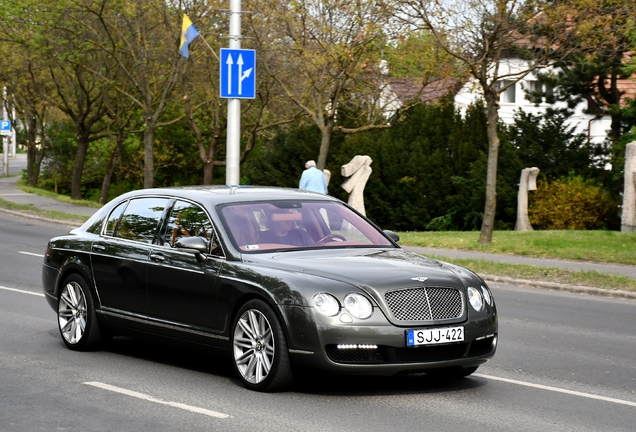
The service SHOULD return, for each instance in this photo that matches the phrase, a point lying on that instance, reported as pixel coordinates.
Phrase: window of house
(509, 94)
(533, 86)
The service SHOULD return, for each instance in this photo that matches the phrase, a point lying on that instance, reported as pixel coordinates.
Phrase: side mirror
(393, 236)
(197, 245)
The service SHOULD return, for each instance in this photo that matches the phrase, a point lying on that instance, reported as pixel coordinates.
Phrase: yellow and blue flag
(188, 33)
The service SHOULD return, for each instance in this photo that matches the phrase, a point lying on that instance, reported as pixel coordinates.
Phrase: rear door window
(141, 219)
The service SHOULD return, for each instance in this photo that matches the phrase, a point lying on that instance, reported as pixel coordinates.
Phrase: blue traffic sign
(238, 73)
(5, 127)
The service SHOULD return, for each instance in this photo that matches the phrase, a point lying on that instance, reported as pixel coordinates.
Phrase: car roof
(230, 194)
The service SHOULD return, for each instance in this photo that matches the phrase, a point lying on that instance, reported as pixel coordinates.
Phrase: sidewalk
(10, 192)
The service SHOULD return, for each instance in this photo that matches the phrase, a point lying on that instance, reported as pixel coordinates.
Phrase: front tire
(259, 348)
(76, 317)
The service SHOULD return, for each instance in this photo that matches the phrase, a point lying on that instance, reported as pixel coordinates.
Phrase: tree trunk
(485, 237)
(327, 132)
(208, 172)
(78, 167)
(31, 156)
(108, 175)
(149, 162)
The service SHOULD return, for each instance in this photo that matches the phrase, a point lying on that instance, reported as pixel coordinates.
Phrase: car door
(120, 255)
(181, 289)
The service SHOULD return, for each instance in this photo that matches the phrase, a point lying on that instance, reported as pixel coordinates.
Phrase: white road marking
(556, 389)
(159, 401)
(31, 253)
(21, 291)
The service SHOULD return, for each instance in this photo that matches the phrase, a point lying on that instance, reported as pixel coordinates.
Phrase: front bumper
(377, 347)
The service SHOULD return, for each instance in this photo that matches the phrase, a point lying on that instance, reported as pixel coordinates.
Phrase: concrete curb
(562, 287)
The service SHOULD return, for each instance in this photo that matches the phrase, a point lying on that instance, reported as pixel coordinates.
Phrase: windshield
(263, 226)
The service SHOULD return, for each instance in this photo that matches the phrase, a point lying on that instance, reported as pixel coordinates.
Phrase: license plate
(434, 336)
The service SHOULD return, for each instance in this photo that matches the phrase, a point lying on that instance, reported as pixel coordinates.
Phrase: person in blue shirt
(313, 179)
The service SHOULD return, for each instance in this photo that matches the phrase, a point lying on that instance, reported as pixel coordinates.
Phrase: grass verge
(546, 274)
(63, 198)
(48, 214)
(597, 246)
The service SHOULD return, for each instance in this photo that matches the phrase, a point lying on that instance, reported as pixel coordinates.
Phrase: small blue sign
(5, 127)
(410, 338)
(238, 73)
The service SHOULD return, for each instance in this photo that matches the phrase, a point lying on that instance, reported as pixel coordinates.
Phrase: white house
(515, 98)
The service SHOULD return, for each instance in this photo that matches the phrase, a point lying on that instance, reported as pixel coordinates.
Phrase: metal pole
(5, 139)
(233, 157)
(14, 141)
(5, 156)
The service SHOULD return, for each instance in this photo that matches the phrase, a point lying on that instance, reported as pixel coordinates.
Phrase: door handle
(99, 247)
(156, 257)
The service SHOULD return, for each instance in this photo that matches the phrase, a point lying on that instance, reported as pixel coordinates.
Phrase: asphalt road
(565, 363)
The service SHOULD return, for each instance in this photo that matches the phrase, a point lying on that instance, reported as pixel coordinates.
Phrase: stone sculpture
(628, 216)
(358, 171)
(527, 183)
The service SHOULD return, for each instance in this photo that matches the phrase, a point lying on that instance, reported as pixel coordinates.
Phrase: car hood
(377, 270)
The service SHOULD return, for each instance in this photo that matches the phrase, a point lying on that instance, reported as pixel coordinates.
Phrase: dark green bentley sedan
(279, 279)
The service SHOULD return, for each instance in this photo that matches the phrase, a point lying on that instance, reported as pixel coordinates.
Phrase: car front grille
(425, 304)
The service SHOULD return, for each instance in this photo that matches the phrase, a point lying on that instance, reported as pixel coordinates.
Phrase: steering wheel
(330, 237)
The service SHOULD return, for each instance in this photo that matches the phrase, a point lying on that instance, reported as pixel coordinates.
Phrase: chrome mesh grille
(425, 304)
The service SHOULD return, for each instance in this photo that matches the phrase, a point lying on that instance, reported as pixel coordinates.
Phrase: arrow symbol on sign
(229, 63)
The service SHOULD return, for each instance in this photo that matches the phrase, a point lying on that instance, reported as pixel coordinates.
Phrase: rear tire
(259, 349)
(76, 317)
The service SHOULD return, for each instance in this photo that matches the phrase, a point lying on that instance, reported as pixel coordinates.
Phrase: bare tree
(483, 35)
(323, 55)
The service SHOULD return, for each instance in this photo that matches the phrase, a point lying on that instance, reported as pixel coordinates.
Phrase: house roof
(410, 89)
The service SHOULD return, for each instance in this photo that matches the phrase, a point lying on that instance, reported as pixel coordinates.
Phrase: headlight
(358, 306)
(326, 304)
(474, 298)
(487, 296)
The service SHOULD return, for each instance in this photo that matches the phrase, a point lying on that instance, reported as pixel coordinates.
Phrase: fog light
(356, 346)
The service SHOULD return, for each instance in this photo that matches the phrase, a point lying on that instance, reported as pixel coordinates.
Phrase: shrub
(571, 203)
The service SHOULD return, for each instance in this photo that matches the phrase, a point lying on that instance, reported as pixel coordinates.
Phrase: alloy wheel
(253, 346)
(72, 312)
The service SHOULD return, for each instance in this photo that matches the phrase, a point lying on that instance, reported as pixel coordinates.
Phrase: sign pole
(233, 157)
(6, 130)
(5, 155)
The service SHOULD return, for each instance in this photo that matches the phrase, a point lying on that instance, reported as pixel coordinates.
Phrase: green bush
(571, 203)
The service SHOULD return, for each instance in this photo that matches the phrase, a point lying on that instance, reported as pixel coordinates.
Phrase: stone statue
(628, 217)
(327, 174)
(358, 171)
(527, 183)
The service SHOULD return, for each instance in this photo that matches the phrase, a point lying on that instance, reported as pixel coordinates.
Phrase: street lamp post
(233, 157)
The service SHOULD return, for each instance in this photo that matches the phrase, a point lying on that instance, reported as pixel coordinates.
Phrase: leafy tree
(547, 142)
(325, 55)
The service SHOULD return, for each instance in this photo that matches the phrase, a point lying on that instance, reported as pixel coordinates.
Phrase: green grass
(28, 189)
(546, 274)
(598, 246)
(48, 214)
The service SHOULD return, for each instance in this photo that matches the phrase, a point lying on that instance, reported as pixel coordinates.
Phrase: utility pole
(233, 157)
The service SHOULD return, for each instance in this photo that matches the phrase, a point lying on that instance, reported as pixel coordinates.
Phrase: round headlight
(486, 293)
(358, 306)
(475, 300)
(326, 304)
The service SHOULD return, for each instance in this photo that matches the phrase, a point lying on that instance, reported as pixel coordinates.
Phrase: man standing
(313, 179)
